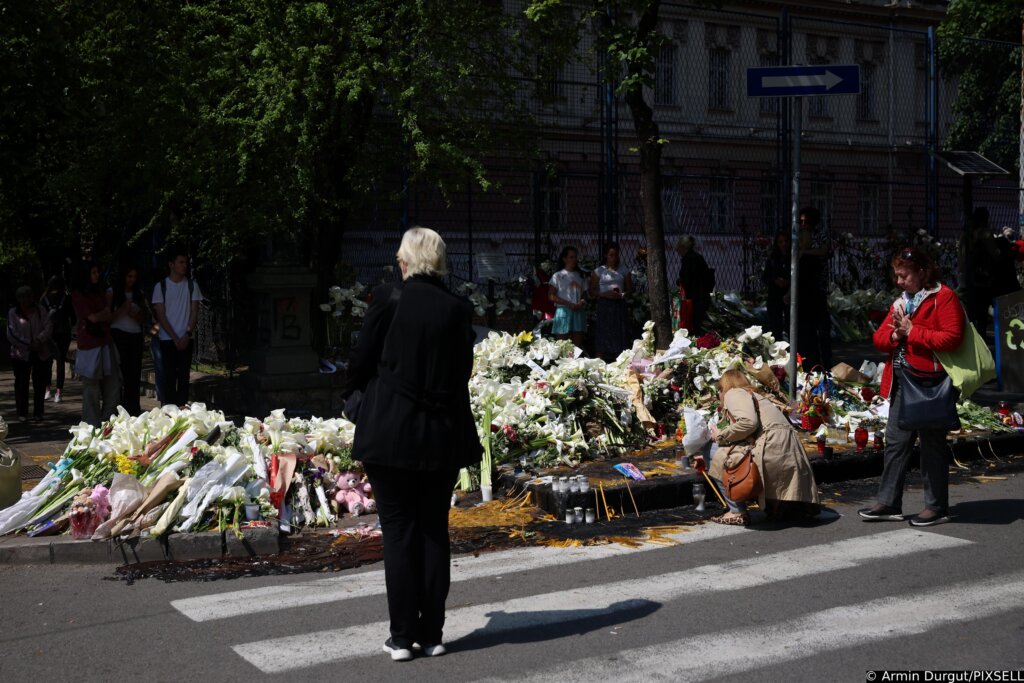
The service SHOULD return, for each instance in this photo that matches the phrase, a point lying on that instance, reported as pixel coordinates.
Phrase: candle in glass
(860, 437)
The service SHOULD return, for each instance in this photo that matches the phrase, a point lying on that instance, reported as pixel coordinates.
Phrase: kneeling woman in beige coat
(789, 488)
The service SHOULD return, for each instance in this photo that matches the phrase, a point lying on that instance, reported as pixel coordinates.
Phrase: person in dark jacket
(1005, 268)
(814, 321)
(56, 303)
(777, 270)
(415, 430)
(697, 279)
(28, 332)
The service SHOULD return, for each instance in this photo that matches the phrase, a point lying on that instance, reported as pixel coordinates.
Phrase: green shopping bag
(971, 365)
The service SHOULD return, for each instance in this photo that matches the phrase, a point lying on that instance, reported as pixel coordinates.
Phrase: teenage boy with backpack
(176, 305)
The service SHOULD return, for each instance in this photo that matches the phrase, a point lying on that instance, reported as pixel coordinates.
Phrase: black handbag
(928, 401)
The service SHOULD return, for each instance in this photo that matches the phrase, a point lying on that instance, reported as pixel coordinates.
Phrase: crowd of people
(570, 294)
(565, 297)
(109, 323)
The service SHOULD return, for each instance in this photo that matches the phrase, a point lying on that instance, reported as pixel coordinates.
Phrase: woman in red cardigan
(926, 318)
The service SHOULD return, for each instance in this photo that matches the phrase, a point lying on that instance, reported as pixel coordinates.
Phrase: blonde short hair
(734, 379)
(423, 252)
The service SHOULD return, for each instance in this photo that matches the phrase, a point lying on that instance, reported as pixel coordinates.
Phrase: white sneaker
(434, 650)
(47, 396)
(398, 654)
(56, 396)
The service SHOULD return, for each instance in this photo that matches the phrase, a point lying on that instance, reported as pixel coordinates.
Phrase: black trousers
(413, 511)
(778, 318)
(814, 336)
(39, 372)
(129, 348)
(61, 344)
(177, 364)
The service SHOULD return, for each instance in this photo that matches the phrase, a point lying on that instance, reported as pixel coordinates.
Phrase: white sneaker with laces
(56, 396)
(47, 396)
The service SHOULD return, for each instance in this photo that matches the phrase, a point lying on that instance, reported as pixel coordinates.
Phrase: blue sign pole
(797, 82)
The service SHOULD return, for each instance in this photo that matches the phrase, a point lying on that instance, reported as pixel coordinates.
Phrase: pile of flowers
(535, 401)
(856, 315)
(533, 398)
(187, 470)
(729, 314)
(688, 372)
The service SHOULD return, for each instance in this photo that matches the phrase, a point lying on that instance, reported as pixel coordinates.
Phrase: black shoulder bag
(928, 401)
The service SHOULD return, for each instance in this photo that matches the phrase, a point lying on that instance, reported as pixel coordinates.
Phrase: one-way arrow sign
(794, 81)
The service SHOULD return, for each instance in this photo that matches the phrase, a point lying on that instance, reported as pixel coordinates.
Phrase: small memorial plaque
(491, 265)
(1010, 340)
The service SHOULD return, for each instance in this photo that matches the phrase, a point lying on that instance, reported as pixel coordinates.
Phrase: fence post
(1020, 205)
(469, 225)
(933, 135)
(609, 148)
(783, 152)
(797, 106)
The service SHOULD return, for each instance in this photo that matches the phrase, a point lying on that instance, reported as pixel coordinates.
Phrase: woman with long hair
(776, 278)
(129, 306)
(96, 362)
(610, 284)
(568, 294)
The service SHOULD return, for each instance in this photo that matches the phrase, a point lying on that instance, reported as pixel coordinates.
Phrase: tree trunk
(649, 144)
(350, 124)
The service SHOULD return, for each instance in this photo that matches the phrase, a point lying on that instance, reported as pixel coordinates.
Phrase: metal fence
(867, 162)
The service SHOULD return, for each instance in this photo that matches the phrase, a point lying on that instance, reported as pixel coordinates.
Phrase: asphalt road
(821, 603)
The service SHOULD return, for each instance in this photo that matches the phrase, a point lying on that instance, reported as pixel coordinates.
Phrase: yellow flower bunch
(524, 338)
(126, 465)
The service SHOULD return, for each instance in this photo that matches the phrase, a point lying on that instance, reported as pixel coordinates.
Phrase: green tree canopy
(979, 44)
(220, 121)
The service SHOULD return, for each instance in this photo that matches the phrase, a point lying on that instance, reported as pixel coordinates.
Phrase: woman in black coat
(415, 430)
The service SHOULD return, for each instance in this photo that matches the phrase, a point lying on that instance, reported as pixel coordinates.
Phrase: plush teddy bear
(351, 494)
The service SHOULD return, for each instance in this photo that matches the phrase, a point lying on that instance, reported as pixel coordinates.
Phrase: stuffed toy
(88, 510)
(351, 494)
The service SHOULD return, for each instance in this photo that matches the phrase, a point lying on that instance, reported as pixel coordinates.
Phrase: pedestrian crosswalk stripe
(742, 650)
(587, 602)
(363, 584)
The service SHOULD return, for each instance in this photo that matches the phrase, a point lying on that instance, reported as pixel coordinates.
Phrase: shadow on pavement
(824, 518)
(540, 626)
(999, 511)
